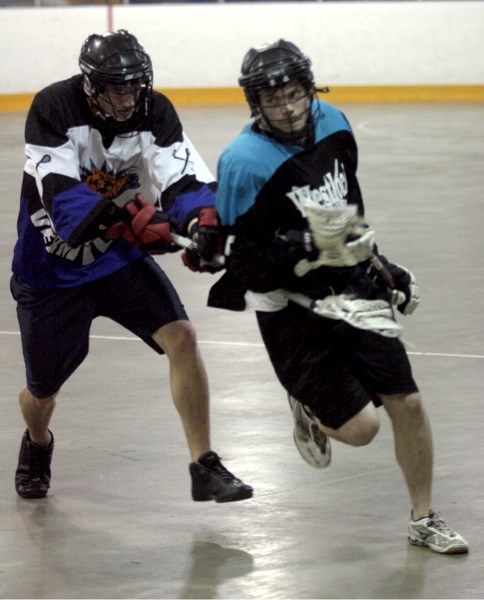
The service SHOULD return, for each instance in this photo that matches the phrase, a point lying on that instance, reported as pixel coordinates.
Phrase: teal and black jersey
(258, 169)
(263, 185)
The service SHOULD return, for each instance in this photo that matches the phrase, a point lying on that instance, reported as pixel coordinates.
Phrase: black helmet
(274, 65)
(117, 59)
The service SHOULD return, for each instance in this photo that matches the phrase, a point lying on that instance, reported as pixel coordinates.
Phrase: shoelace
(302, 425)
(320, 437)
(222, 471)
(439, 524)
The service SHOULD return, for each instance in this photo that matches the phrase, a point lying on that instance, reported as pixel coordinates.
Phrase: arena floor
(119, 521)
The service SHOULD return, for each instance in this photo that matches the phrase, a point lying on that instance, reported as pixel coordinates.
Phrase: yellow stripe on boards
(217, 96)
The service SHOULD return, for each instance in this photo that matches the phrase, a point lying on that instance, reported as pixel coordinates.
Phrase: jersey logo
(44, 160)
(55, 245)
(331, 194)
(108, 183)
(178, 155)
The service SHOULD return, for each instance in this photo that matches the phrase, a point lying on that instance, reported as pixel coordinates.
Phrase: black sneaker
(32, 478)
(212, 481)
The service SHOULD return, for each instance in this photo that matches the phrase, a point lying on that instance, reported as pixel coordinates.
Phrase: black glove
(142, 225)
(192, 259)
(405, 293)
(206, 232)
(298, 245)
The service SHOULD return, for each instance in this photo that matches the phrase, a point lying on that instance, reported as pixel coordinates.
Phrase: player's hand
(206, 232)
(406, 292)
(406, 284)
(143, 226)
(192, 259)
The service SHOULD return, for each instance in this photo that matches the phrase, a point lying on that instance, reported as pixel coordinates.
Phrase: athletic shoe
(32, 478)
(312, 443)
(212, 481)
(434, 533)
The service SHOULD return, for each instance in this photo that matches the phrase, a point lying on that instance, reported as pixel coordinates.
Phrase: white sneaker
(312, 443)
(434, 533)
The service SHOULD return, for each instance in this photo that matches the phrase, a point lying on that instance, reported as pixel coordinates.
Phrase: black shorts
(55, 324)
(332, 367)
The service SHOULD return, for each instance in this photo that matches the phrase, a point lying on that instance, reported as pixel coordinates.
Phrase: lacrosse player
(102, 149)
(289, 195)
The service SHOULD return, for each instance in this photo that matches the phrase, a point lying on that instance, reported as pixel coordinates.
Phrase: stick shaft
(186, 242)
(219, 259)
(382, 270)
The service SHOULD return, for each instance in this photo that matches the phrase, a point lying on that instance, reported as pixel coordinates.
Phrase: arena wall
(365, 51)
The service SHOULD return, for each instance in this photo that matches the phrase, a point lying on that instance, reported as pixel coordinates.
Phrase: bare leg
(311, 437)
(189, 383)
(37, 414)
(413, 447)
(359, 430)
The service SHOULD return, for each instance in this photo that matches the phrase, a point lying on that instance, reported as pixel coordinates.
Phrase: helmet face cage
(117, 62)
(272, 67)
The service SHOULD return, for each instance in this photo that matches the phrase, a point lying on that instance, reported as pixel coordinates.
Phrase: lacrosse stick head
(331, 226)
(371, 315)
(340, 234)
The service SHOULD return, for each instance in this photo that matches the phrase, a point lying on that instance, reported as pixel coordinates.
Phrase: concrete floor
(119, 521)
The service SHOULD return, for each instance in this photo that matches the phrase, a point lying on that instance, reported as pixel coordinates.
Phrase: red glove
(143, 226)
(205, 231)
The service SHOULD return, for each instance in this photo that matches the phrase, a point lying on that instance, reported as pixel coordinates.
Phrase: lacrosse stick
(371, 315)
(218, 260)
(331, 229)
(382, 271)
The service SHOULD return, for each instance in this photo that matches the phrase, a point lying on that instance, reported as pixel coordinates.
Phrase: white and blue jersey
(72, 164)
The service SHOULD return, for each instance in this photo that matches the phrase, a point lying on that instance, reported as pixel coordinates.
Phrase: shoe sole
(219, 500)
(308, 449)
(244, 496)
(31, 496)
(451, 550)
(313, 457)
